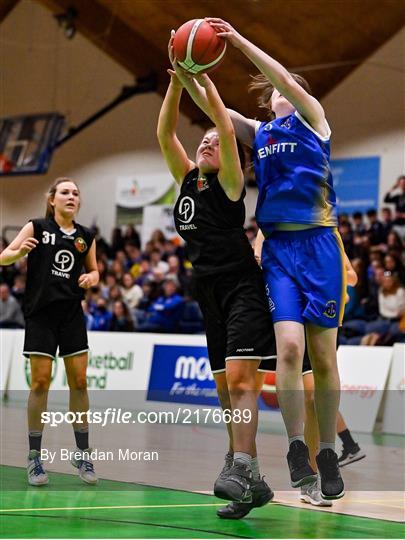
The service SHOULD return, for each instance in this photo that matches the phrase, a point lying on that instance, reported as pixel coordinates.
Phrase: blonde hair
(50, 210)
(262, 84)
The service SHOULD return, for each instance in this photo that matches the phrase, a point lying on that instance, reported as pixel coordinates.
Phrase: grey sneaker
(261, 495)
(35, 470)
(227, 465)
(235, 484)
(311, 494)
(85, 466)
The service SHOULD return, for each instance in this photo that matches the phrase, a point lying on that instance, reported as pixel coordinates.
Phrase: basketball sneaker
(85, 466)
(227, 465)
(311, 494)
(35, 470)
(261, 495)
(301, 471)
(350, 455)
(332, 486)
(234, 484)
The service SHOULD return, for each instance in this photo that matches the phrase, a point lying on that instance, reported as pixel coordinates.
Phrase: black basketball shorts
(59, 324)
(237, 319)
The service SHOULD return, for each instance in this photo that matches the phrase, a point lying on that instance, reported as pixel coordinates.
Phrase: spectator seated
(191, 321)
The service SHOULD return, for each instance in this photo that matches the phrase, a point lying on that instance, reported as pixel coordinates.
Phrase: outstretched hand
(225, 30)
(178, 74)
(202, 79)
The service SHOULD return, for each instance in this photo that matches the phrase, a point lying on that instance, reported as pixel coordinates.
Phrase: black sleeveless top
(55, 265)
(212, 226)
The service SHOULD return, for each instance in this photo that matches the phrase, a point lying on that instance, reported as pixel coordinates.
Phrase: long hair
(50, 211)
(262, 84)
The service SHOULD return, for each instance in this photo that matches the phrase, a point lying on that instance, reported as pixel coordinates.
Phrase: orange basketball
(197, 47)
(268, 393)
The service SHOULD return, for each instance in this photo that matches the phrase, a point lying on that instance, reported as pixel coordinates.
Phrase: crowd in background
(150, 289)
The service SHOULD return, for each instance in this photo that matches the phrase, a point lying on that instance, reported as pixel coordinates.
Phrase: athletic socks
(35, 439)
(325, 445)
(82, 438)
(347, 439)
(242, 457)
(254, 464)
(296, 438)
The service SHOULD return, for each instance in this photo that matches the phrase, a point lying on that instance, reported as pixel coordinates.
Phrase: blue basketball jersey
(293, 174)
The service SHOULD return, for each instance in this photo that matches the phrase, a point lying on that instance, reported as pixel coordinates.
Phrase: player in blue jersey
(303, 256)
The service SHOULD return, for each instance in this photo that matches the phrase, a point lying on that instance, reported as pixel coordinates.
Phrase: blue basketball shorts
(305, 276)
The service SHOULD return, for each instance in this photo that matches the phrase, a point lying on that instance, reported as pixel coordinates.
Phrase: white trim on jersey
(248, 357)
(39, 354)
(303, 121)
(218, 371)
(73, 353)
(69, 233)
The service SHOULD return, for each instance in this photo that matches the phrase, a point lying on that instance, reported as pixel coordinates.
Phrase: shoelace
(299, 460)
(37, 469)
(331, 467)
(88, 466)
(240, 470)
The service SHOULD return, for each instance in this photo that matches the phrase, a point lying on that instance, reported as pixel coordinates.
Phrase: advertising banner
(363, 375)
(356, 182)
(394, 409)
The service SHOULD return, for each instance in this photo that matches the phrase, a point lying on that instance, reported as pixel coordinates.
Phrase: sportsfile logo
(181, 374)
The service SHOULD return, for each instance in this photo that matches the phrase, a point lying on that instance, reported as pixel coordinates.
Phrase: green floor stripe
(165, 515)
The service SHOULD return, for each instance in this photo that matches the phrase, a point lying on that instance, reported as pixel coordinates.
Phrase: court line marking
(110, 507)
(381, 504)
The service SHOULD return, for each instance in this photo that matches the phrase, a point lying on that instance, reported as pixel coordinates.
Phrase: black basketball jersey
(55, 264)
(212, 226)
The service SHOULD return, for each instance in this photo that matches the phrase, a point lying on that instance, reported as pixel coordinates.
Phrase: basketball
(268, 393)
(197, 47)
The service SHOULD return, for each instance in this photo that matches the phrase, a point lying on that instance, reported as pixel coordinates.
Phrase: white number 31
(48, 237)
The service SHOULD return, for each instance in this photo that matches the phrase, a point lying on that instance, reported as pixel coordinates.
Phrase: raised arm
(277, 74)
(244, 127)
(176, 158)
(230, 173)
(22, 244)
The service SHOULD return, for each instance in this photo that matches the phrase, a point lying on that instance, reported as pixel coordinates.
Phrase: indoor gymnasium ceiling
(328, 38)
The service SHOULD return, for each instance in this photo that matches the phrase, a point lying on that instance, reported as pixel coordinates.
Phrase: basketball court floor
(171, 497)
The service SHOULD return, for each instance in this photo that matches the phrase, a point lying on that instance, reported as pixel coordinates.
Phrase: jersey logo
(80, 244)
(286, 124)
(64, 262)
(330, 309)
(272, 305)
(186, 209)
(202, 183)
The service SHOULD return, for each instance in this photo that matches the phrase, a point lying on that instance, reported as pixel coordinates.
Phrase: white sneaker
(85, 466)
(351, 455)
(35, 470)
(311, 494)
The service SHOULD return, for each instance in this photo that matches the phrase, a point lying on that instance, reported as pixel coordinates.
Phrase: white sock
(325, 445)
(244, 458)
(255, 468)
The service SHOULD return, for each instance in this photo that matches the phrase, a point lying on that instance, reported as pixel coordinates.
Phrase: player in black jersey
(209, 214)
(58, 248)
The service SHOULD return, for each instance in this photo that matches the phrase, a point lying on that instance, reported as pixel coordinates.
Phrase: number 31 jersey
(55, 264)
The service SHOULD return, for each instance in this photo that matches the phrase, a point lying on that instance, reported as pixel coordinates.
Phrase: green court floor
(69, 509)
